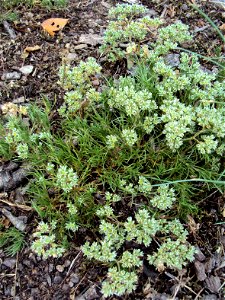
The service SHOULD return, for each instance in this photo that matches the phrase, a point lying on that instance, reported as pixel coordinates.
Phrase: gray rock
(173, 59)
(11, 76)
(9, 262)
(213, 283)
(219, 3)
(200, 270)
(199, 255)
(184, 7)
(80, 46)
(57, 279)
(210, 297)
(60, 268)
(26, 70)
(90, 39)
(19, 100)
(74, 278)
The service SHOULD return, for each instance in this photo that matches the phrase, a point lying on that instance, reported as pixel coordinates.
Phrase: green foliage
(45, 3)
(11, 240)
(141, 141)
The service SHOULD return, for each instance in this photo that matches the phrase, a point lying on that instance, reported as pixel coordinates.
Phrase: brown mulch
(28, 277)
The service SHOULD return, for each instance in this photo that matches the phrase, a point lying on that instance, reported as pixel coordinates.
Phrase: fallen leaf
(222, 27)
(53, 25)
(193, 226)
(27, 51)
(31, 49)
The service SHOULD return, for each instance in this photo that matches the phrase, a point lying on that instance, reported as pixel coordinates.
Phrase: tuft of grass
(12, 241)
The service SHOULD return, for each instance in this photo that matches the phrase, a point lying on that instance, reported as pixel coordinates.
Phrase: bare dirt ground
(27, 277)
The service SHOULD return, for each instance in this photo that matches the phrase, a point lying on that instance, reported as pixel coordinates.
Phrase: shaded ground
(28, 277)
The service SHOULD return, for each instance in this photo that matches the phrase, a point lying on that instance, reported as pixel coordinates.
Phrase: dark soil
(28, 277)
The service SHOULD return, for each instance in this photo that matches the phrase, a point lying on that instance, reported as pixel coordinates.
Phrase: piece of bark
(10, 31)
(18, 223)
(200, 270)
(213, 283)
(9, 181)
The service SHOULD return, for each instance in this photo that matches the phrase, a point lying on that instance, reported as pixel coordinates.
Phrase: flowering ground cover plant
(141, 141)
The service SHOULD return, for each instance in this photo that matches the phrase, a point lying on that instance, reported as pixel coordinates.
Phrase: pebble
(11, 76)
(27, 69)
(19, 100)
(173, 59)
(80, 46)
(49, 280)
(210, 297)
(60, 268)
(67, 263)
(184, 7)
(74, 278)
(50, 268)
(9, 262)
(71, 56)
(57, 279)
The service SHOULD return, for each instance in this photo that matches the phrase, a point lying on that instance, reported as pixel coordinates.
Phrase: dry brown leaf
(193, 226)
(222, 27)
(27, 50)
(53, 25)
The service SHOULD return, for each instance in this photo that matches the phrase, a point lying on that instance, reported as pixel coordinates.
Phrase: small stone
(80, 46)
(184, 7)
(90, 39)
(57, 279)
(71, 56)
(74, 278)
(199, 255)
(210, 297)
(49, 281)
(213, 283)
(96, 82)
(11, 76)
(152, 13)
(67, 263)
(65, 287)
(19, 100)
(173, 59)
(200, 270)
(60, 268)
(50, 268)
(26, 70)
(9, 262)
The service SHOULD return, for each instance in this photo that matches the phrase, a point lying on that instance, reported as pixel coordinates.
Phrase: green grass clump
(11, 240)
(140, 143)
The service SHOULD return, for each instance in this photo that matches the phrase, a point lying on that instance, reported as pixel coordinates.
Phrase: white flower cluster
(129, 136)
(119, 283)
(174, 252)
(66, 178)
(45, 243)
(76, 81)
(164, 199)
(128, 26)
(131, 100)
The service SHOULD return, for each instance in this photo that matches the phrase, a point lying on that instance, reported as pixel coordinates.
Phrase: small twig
(21, 206)
(10, 31)
(201, 29)
(15, 277)
(199, 293)
(182, 284)
(73, 262)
